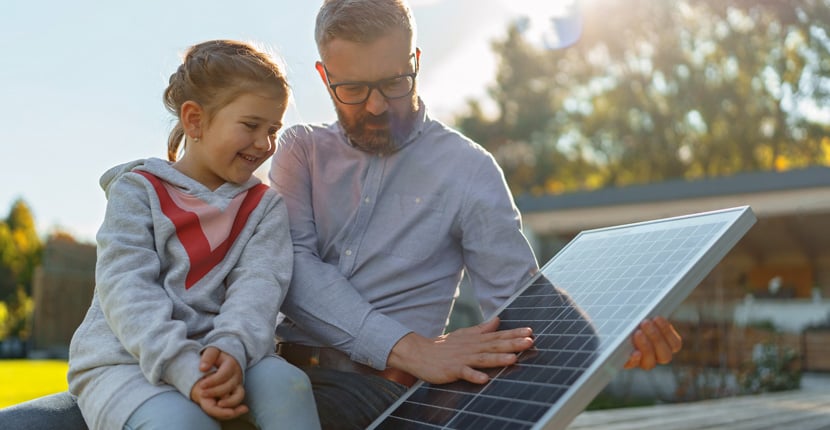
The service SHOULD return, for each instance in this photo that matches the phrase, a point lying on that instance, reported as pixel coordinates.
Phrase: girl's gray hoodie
(179, 268)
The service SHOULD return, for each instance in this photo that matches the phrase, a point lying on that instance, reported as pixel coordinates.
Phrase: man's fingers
(516, 341)
(670, 334)
(655, 342)
(457, 355)
(488, 326)
(485, 361)
(659, 346)
(513, 340)
(480, 338)
(633, 360)
(471, 375)
(644, 346)
(511, 334)
(488, 360)
(510, 345)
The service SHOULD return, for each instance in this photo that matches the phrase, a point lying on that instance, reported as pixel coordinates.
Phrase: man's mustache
(381, 119)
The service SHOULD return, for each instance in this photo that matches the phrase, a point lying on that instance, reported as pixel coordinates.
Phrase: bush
(773, 368)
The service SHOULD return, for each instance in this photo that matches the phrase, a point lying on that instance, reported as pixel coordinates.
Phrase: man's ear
(191, 117)
(322, 72)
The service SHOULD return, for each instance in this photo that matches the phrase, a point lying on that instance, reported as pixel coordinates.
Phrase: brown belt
(331, 358)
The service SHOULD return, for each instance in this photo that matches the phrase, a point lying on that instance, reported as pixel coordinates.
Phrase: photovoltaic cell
(607, 281)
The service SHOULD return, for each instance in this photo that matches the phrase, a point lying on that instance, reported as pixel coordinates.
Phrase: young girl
(194, 258)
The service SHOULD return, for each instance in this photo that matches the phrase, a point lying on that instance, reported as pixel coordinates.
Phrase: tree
(20, 253)
(8, 256)
(28, 246)
(657, 90)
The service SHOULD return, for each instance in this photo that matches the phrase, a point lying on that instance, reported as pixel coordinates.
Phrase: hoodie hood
(109, 177)
(164, 170)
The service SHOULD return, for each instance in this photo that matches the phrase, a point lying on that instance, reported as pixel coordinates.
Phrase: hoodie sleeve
(134, 303)
(256, 287)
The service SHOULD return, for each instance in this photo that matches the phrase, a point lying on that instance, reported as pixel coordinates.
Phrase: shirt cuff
(376, 338)
(183, 371)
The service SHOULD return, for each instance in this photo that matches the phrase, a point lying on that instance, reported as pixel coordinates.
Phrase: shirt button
(367, 200)
(417, 200)
(348, 252)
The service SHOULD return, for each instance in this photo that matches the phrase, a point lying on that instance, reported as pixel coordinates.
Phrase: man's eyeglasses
(355, 93)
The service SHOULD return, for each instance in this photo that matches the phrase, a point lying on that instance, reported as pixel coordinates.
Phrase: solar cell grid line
(607, 281)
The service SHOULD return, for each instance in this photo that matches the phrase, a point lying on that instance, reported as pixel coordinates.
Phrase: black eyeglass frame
(373, 85)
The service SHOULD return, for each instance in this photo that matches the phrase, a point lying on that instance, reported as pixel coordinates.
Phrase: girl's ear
(191, 116)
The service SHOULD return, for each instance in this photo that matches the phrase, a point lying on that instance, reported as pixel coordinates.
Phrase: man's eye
(250, 125)
(273, 131)
(353, 89)
(393, 83)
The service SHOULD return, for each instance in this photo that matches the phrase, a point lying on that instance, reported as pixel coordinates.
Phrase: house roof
(742, 183)
(792, 193)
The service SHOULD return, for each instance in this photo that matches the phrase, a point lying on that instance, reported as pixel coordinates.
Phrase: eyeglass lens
(355, 93)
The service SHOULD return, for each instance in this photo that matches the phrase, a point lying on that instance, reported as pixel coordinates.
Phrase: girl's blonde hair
(216, 72)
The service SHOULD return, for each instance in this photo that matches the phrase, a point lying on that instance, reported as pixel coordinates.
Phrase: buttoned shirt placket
(365, 208)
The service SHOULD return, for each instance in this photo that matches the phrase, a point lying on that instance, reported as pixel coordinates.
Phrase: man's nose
(376, 104)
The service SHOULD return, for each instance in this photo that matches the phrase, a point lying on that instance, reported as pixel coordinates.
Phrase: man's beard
(381, 141)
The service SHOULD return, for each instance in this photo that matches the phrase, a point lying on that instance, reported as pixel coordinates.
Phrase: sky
(81, 82)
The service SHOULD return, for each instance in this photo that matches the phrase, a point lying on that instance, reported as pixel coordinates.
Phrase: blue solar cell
(607, 281)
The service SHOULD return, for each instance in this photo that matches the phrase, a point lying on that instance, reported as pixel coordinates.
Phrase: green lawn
(22, 380)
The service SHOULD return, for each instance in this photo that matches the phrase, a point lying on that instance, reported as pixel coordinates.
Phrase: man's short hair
(361, 21)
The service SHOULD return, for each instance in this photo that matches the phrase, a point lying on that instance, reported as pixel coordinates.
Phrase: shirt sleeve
(497, 256)
(321, 300)
(136, 307)
(255, 287)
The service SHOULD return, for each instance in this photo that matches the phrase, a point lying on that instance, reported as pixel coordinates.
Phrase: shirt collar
(419, 124)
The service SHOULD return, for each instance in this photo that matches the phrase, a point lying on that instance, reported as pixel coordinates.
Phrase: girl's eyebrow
(260, 119)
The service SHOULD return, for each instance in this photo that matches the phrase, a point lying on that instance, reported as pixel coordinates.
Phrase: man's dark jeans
(351, 401)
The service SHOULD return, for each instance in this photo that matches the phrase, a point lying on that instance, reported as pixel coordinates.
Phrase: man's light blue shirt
(381, 242)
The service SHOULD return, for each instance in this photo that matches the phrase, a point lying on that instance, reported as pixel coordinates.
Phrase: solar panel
(608, 280)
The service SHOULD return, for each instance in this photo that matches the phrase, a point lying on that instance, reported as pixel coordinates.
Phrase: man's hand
(220, 393)
(456, 355)
(655, 342)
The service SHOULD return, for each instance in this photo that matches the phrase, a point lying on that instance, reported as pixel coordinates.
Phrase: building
(776, 278)
(62, 292)
(784, 257)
